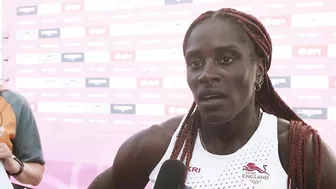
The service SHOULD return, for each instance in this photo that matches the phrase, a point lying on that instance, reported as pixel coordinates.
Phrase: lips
(211, 95)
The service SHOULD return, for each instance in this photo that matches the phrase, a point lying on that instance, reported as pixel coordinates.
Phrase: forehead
(215, 33)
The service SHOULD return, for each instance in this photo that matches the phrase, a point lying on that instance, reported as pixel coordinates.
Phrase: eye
(195, 63)
(225, 60)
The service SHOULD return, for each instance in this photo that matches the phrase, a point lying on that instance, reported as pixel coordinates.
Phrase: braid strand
(267, 99)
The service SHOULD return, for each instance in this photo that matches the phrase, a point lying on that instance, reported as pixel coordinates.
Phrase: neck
(229, 137)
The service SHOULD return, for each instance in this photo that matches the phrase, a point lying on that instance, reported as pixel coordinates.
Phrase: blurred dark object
(16, 186)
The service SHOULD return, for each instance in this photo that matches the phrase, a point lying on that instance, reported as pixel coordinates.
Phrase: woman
(238, 134)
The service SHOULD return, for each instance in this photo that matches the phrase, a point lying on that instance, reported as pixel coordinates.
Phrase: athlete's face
(221, 72)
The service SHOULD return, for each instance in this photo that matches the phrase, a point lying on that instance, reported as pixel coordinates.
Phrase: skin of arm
(137, 157)
(328, 167)
(32, 173)
(26, 145)
(129, 169)
(328, 180)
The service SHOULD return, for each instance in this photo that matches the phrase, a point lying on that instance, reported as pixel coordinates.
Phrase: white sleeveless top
(255, 166)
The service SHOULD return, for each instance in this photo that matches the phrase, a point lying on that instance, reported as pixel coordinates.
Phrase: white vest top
(255, 166)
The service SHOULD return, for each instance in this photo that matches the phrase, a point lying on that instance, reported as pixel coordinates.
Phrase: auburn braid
(182, 135)
(267, 99)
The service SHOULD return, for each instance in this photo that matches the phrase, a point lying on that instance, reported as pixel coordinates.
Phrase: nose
(209, 74)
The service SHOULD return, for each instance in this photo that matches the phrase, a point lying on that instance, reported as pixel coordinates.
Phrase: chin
(215, 118)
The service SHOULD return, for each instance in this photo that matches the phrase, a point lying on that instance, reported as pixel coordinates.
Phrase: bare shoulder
(283, 138)
(328, 161)
(137, 157)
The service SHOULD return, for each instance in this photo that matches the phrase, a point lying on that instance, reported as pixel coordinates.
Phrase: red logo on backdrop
(176, 110)
(149, 82)
(332, 82)
(254, 173)
(97, 31)
(122, 56)
(310, 51)
(276, 21)
(73, 7)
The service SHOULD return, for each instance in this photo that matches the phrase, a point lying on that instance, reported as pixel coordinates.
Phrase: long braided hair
(267, 99)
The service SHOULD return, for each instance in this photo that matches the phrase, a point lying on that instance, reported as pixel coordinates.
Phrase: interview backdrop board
(96, 72)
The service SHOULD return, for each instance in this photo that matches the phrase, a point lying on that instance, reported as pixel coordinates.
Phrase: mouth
(211, 95)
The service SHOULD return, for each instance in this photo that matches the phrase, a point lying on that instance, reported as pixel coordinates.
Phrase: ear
(261, 70)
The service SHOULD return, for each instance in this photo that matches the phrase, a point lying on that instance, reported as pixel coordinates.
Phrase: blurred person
(20, 145)
(239, 133)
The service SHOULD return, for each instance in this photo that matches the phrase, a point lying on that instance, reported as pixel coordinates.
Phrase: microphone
(171, 175)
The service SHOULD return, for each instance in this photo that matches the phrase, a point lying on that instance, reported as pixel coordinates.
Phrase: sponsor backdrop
(95, 72)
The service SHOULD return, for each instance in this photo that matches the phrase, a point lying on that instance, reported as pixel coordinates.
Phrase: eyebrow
(218, 49)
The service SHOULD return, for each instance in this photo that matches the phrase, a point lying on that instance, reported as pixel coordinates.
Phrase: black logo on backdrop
(311, 113)
(97, 82)
(281, 82)
(49, 33)
(123, 108)
(26, 10)
(72, 57)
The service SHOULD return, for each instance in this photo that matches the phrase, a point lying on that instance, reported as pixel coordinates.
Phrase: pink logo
(73, 7)
(252, 167)
(149, 82)
(176, 109)
(254, 173)
(97, 31)
(310, 51)
(278, 21)
(123, 56)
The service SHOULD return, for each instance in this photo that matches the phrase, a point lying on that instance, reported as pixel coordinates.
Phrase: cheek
(243, 82)
(191, 81)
